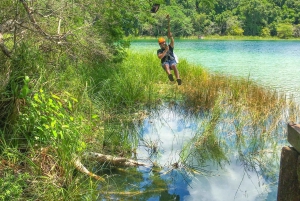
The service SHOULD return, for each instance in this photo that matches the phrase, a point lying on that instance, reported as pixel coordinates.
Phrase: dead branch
(3, 47)
(118, 161)
(30, 12)
(79, 166)
(32, 19)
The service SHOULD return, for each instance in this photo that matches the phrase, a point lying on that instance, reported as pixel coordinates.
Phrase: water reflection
(246, 175)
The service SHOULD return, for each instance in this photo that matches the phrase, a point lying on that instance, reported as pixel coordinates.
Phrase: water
(171, 131)
(274, 64)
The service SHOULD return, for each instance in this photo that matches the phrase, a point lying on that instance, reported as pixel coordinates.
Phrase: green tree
(284, 30)
(296, 32)
(233, 27)
(224, 22)
(254, 14)
(199, 23)
(265, 32)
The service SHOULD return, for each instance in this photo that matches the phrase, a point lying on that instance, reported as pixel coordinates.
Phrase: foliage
(284, 30)
(67, 85)
(12, 186)
(296, 30)
(265, 32)
(233, 27)
(211, 17)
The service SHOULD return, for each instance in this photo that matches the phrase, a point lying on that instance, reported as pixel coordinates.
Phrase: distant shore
(214, 37)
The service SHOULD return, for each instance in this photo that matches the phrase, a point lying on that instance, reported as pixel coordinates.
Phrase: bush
(284, 30)
(296, 31)
(265, 32)
(11, 186)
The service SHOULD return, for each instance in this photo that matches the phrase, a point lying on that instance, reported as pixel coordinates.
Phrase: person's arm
(170, 36)
(163, 54)
(172, 40)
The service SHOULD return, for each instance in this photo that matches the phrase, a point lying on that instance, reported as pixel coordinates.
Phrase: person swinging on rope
(167, 57)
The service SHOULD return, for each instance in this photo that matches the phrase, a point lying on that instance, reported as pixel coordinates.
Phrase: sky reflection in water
(171, 130)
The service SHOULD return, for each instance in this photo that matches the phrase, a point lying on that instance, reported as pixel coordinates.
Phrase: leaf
(53, 123)
(46, 126)
(94, 116)
(36, 98)
(54, 133)
(61, 134)
(70, 106)
(74, 99)
(56, 97)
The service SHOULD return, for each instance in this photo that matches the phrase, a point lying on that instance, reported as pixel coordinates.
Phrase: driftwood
(116, 161)
(113, 160)
(79, 166)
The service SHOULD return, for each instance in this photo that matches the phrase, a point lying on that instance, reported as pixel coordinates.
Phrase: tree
(223, 21)
(284, 30)
(296, 32)
(254, 15)
(265, 32)
(199, 23)
(233, 27)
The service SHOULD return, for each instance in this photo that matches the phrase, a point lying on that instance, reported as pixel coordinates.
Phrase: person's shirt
(169, 55)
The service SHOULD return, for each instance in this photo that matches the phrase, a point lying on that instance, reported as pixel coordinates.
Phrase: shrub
(284, 30)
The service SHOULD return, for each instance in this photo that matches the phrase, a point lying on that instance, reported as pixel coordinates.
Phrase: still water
(171, 130)
(274, 64)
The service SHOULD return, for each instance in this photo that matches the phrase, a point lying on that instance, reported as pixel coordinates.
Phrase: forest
(263, 18)
(70, 86)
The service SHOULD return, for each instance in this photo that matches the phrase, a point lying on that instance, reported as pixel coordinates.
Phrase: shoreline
(215, 37)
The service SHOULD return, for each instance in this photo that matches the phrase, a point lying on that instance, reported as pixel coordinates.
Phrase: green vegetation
(48, 126)
(69, 86)
(223, 17)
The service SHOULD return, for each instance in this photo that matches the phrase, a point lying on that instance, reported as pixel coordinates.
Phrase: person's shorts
(169, 63)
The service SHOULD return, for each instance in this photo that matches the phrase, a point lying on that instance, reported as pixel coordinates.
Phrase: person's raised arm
(170, 36)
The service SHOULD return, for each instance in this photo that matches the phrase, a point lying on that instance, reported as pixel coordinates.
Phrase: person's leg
(176, 72)
(166, 67)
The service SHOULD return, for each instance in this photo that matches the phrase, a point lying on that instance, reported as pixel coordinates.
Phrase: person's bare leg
(168, 71)
(176, 72)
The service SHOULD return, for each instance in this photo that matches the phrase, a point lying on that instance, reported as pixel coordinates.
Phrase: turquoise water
(274, 64)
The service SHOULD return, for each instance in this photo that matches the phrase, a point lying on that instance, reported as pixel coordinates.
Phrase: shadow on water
(192, 158)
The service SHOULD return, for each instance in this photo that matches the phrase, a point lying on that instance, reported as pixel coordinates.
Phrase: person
(167, 57)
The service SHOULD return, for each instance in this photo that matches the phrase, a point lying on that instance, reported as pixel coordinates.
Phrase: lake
(274, 64)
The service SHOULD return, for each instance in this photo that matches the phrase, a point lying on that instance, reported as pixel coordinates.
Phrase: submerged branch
(118, 161)
(79, 166)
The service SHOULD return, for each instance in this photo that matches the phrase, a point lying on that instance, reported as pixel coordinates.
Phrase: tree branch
(32, 19)
(119, 161)
(3, 47)
(79, 166)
